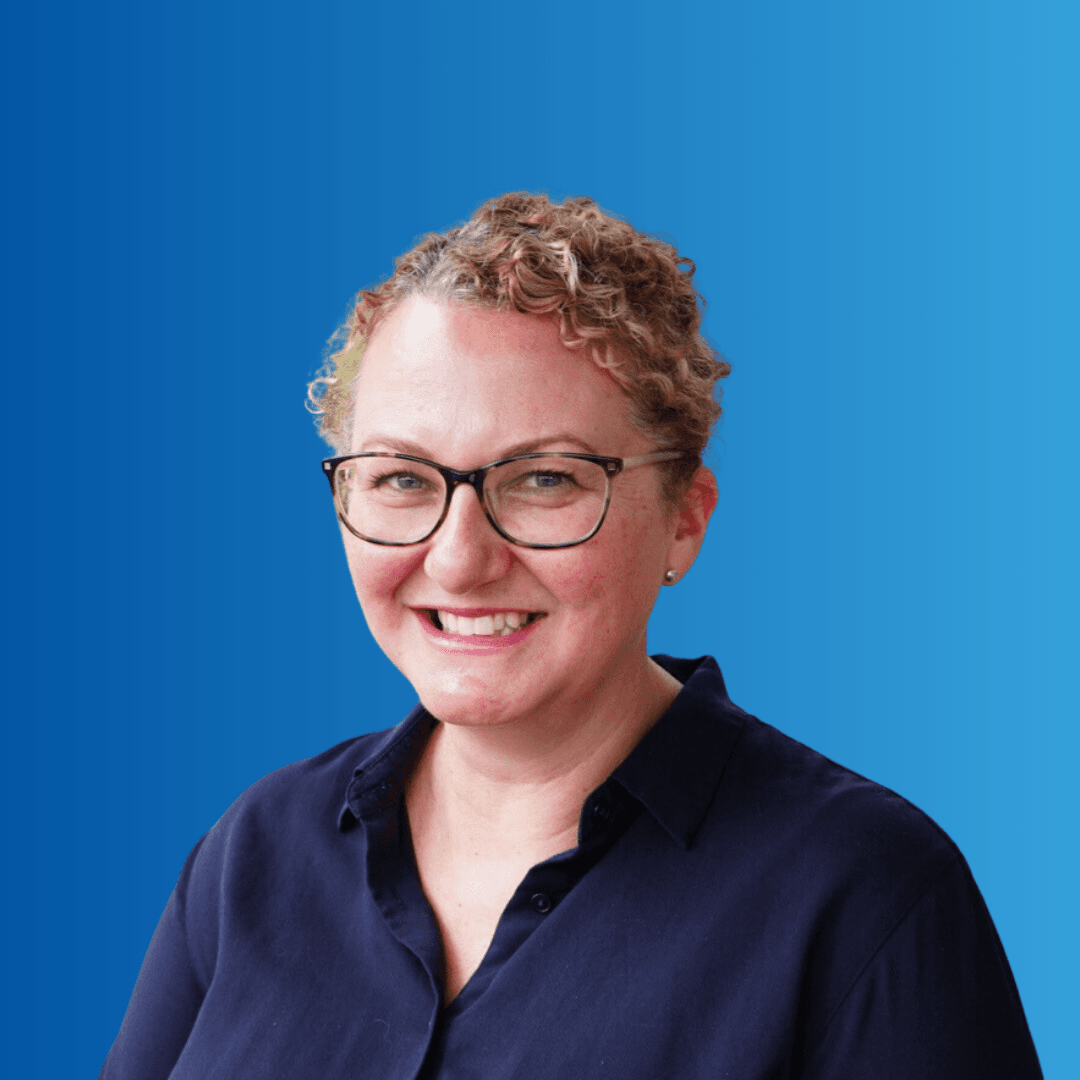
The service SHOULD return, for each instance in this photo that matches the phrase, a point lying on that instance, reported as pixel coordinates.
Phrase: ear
(691, 518)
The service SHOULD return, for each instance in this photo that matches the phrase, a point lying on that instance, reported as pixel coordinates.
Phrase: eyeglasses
(533, 500)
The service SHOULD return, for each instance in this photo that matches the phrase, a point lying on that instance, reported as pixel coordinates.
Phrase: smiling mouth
(500, 624)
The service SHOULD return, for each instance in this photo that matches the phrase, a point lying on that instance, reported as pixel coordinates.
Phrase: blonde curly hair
(625, 297)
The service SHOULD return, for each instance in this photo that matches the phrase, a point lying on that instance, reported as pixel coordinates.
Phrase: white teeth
(498, 625)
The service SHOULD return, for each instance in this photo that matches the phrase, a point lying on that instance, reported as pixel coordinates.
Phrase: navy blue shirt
(738, 906)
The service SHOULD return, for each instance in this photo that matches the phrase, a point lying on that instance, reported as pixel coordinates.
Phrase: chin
(462, 703)
(467, 710)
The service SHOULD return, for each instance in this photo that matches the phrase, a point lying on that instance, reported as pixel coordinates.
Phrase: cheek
(610, 581)
(377, 572)
(577, 582)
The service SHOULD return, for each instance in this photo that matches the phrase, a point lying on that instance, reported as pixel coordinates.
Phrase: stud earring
(669, 577)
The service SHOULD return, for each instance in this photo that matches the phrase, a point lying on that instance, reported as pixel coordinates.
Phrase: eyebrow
(530, 446)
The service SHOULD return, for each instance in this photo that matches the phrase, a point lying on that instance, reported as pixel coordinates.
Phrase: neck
(524, 784)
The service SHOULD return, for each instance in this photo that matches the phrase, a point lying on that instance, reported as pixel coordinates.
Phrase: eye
(547, 480)
(398, 480)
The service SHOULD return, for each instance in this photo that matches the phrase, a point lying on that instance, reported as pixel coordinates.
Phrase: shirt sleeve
(936, 1000)
(167, 996)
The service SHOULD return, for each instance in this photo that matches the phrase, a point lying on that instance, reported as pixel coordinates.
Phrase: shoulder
(750, 792)
(860, 885)
(313, 788)
(787, 794)
(290, 814)
(905, 971)
(258, 856)
(840, 860)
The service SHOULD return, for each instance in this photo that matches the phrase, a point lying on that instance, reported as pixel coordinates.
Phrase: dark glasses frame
(612, 466)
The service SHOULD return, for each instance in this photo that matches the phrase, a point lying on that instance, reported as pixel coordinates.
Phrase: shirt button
(541, 903)
(603, 811)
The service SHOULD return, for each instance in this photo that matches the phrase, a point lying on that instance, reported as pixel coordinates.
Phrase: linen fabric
(738, 906)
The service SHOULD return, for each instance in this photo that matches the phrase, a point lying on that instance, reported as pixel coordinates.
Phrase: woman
(570, 860)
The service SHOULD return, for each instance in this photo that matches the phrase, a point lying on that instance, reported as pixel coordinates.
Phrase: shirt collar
(379, 778)
(673, 772)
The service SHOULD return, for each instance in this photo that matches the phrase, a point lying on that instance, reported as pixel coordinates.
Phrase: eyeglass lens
(550, 499)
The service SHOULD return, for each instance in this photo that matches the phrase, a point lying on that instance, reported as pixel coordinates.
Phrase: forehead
(461, 379)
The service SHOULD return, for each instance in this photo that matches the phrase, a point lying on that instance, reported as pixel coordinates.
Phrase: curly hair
(625, 297)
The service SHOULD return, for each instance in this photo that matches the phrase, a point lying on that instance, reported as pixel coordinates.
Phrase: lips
(484, 628)
(487, 624)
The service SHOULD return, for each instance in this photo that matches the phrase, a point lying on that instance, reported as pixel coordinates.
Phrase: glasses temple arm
(650, 459)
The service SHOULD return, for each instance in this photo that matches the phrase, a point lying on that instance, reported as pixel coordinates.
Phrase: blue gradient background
(882, 201)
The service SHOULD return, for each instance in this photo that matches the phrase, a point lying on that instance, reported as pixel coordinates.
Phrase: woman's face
(463, 387)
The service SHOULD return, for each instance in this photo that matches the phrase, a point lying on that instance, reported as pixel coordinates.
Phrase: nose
(466, 552)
